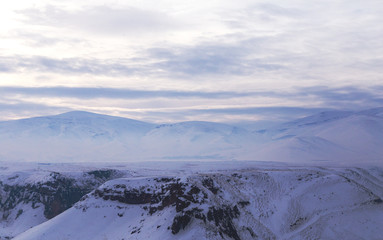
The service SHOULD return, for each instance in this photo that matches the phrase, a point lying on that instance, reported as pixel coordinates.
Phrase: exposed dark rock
(103, 174)
(223, 219)
(180, 222)
(252, 233)
(129, 196)
(164, 179)
(243, 203)
(171, 193)
(198, 214)
(236, 175)
(56, 195)
(297, 223)
(19, 213)
(209, 184)
(61, 194)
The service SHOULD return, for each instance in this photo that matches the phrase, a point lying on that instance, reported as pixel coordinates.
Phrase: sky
(170, 61)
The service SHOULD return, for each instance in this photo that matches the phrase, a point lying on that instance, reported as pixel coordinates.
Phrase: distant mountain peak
(81, 114)
(84, 115)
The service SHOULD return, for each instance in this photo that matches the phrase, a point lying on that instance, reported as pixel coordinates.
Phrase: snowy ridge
(329, 138)
(248, 203)
(341, 137)
(85, 137)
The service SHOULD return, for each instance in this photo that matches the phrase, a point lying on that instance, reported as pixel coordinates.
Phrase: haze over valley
(334, 138)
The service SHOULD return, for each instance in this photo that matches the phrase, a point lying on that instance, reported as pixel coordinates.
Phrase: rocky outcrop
(53, 195)
(292, 203)
(196, 199)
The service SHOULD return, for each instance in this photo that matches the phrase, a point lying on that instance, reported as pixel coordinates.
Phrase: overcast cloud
(167, 60)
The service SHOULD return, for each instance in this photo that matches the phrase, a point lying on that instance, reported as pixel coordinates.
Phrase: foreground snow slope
(245, 202)
(30, 196)
(32, 193)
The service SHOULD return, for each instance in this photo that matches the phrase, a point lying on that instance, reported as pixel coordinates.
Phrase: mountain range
(336, 137)
(81, 175)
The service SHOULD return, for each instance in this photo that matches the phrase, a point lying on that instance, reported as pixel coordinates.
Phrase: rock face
(47, 197)
(186, 197)
(291, 203)
(195, 199)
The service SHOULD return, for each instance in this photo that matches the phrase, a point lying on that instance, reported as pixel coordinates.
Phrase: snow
(283, 203)
(82, 136)
(343, 138)
(318, 177)
(337, 137)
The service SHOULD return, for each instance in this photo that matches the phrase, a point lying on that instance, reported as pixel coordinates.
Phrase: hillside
(250, 201)
(329, 138)
(88, 137)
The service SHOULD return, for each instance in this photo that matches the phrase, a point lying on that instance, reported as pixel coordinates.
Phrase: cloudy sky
(172, 60)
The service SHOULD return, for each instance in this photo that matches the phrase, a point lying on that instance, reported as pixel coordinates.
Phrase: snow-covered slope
(330, 137)
(247, 203)
(31, 196)
(335, 138)
(73, 136)
(74, 124)
(82, 136)
(198, 140)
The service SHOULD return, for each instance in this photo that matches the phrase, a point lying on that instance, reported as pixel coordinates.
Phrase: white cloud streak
(206, 46)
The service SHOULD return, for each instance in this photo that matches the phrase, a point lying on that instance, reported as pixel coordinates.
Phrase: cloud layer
(165, 105)
(168, 60)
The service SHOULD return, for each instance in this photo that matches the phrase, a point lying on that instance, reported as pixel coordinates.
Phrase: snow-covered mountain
(236, 201)
(329, 137)
(166, 199)
(198, 140)
(73, 136)
(74, 124)
(337, 137)
(83, 136)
